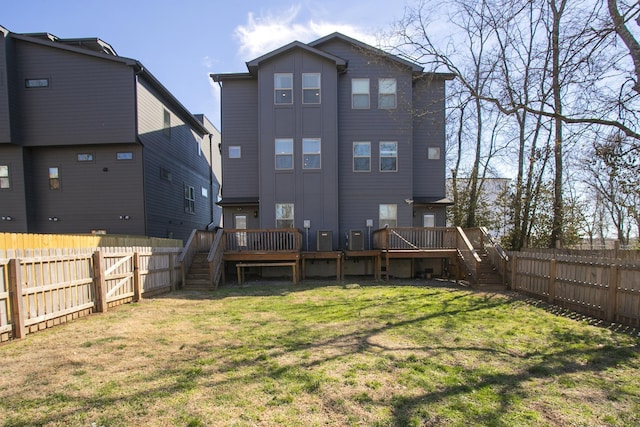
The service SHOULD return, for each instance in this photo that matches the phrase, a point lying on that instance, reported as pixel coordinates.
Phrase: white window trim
(319, 153)
(318, 88)
(276, 89)
(388, 157)
(394, 93)
(290, 155)
(368, 93)
(292, 218)
(353, 163)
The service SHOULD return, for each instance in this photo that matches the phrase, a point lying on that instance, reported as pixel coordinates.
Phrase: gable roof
(253, 65)
(97, 48)
(339, 36)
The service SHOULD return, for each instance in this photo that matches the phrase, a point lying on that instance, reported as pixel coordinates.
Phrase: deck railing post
(15, 298)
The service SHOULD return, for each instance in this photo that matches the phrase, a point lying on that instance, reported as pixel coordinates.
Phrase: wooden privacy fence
(38, 292)
(604, 288)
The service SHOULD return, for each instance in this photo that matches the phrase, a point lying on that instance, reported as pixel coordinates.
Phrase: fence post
(16, 300)
(552, 281)
(514, 270)
(171, 272)
(612, 296)
(137, 294)
(98, 282)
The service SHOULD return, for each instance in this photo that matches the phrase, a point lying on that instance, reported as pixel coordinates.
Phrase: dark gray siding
(362, 192)
(239, 120)
(5, 118)
(177, 154)
(12, 200)
(92, 195)
(429, 175)
(313, 191)
(89, 101)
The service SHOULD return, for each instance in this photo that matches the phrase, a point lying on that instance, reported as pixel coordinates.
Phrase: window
(428, 220)
(284, 153)
(235, 152)
(189, 199)
(199, 148)
(54, 179)
(283, 83)
(387, 93)
(126, 155)
(204, 192)
(166, 128)
(311, 88)
(311, 153)
(359, 93)
(34, 83)
(433, 153)
(4, 176)
(85, 157)
(284, 215)
(361, 156)
(388, 216)
(388, 156)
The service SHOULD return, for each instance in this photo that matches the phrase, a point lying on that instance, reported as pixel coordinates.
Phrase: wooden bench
(241, 265)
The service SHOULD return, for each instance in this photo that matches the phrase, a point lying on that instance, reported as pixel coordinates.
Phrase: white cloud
(270, 31)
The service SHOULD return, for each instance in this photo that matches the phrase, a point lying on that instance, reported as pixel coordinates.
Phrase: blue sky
(181, 42)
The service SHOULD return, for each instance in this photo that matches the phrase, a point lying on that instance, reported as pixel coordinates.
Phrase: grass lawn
(322, 353)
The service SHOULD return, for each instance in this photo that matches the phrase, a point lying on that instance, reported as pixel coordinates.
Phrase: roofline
(137, 66)
(414, 67)
(218, 78)
(253, 65)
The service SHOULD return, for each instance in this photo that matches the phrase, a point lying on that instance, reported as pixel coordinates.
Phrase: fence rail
(38, 292)
(605, 288)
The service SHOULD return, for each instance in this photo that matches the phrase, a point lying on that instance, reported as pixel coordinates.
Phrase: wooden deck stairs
(488, 276)
(198, 274)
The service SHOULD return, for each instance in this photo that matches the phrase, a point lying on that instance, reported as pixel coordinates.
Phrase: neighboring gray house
(336, 136)
(91, 142)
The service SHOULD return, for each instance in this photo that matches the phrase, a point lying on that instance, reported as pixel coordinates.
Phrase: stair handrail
(215, 258)
(188, 253)
(468, 254)
(497, 255)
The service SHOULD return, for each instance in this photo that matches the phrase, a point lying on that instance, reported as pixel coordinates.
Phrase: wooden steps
(198, 276)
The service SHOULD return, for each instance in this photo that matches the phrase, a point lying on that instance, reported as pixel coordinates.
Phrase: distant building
(333, 136)
(92, 142)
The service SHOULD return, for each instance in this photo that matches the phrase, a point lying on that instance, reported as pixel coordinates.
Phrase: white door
(240, 223)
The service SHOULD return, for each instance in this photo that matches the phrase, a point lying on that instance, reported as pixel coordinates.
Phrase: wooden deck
(282, 247)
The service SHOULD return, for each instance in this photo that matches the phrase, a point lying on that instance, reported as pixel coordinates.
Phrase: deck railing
(263, 240)
(468, 255)
(415, 238)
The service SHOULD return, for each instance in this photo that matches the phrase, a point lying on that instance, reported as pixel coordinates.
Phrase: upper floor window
(284, 153)
(388, 156)
(124, 155)
(311, 88)
(85, 157)
(54, 179)
(283, 84)
(189, 199)
(361, 156)
(284, 215)
(235, 152)
(311, 153)
(433, 153)
(4, 176)
(387, 93)
(388, 215)
(166, 123)
(33, 83)
(359, 93)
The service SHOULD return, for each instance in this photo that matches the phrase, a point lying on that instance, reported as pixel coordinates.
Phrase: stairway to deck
(488, 276)
(198, 275)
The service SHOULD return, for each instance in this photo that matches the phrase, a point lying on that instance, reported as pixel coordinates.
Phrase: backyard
(325, 353)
